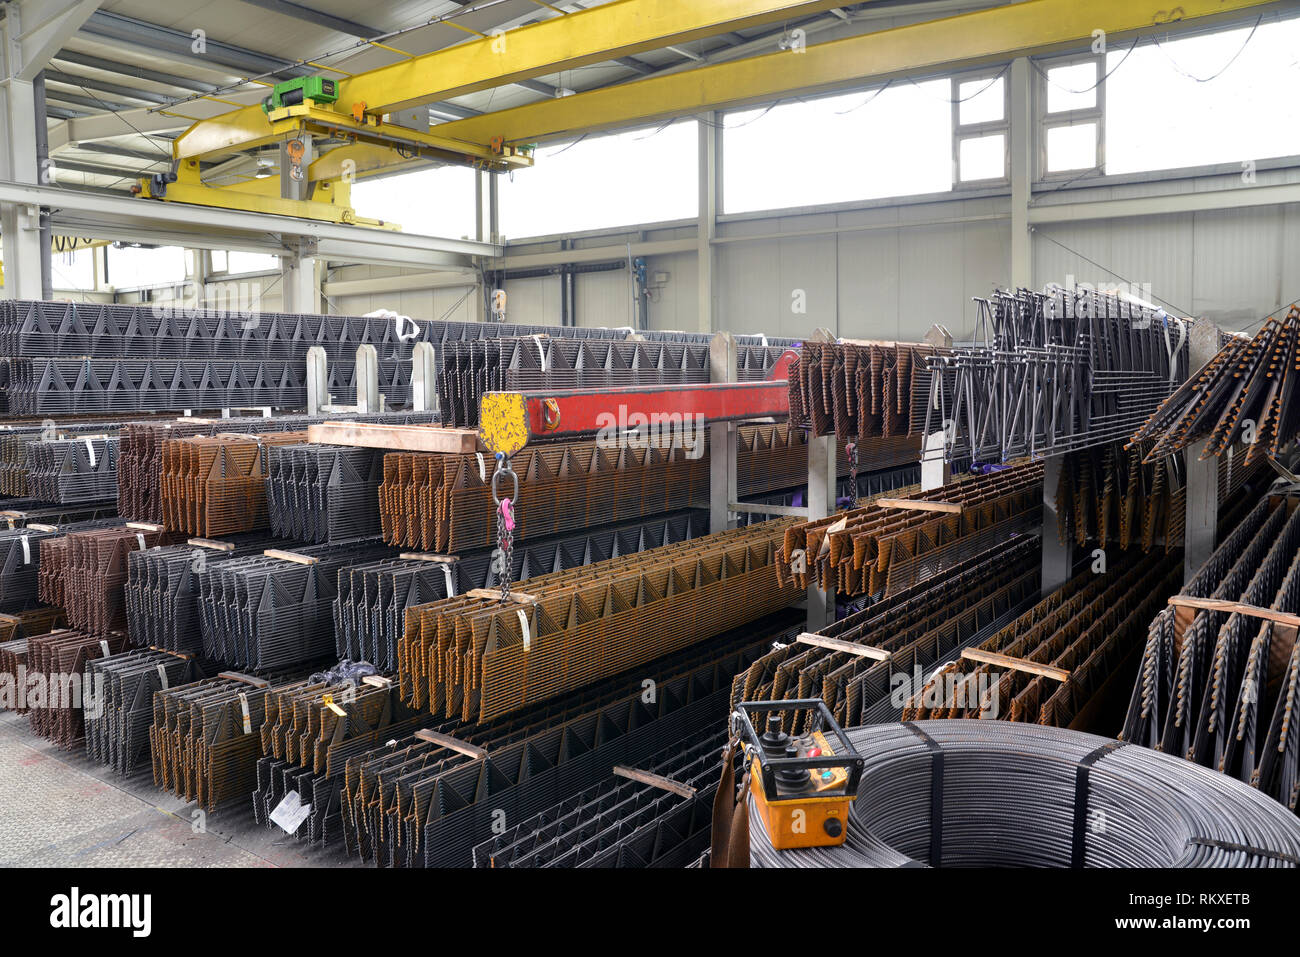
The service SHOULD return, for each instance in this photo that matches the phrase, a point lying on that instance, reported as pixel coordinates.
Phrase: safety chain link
(505, 511)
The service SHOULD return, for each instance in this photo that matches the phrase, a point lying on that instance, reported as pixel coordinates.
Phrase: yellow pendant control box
(802, 785)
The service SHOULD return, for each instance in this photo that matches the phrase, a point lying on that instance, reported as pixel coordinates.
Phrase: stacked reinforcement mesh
(57, 662)
(73, 471)
(259, 613)
(140, 460)
(324, 493)
(162, 590)
(443, 502)
(117, 727)
(153, 358)
(478, 658)
(370, 611)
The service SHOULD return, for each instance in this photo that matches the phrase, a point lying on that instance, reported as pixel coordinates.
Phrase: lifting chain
(505, 512)
(851, 450)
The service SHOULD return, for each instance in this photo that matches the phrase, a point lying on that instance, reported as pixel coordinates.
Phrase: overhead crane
(377, 122)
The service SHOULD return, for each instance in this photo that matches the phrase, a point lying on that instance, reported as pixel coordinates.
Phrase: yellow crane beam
(622, 28)
(941, 46)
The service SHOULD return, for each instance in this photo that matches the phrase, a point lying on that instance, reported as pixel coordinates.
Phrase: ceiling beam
(131, 70)
(621, 28)
(318, 17)
(89, 83)
(177, 45)
(946, 45)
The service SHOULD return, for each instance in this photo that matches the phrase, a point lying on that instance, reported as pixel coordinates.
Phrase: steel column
(1202, 477)
(1058, 556)
(722, 438)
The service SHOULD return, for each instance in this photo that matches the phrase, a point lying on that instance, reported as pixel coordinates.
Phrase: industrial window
(135, 267)
(73, 270)
(980, 131)
(890, 141)
(1223, 97)
(234, 262)
(1072, 100)
(601, 181)
(427, 202)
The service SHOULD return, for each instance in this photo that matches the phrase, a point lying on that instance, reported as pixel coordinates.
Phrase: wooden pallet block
(395, 438)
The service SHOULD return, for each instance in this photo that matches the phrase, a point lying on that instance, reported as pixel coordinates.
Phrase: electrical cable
(1024, 795)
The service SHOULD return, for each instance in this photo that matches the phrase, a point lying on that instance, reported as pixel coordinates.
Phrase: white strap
(90, 450)
(482, 467)
(451, 582)
(103, 646)
(139, 537)
(243, 706)
(162, 676)
(523, 623)
(541, 353)
(27, 551)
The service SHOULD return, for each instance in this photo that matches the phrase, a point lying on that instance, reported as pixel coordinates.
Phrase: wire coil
(1010, 795)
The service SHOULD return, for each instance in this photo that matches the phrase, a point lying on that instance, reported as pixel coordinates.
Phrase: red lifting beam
(509, 420)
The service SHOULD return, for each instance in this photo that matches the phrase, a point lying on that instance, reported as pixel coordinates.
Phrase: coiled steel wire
(1011, 796)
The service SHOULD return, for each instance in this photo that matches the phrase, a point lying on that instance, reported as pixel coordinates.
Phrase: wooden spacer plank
(918, 505)
(290, 556)
(848, 647)
(654, 780)
(453, 744)
(1015, 664)
(395, 438)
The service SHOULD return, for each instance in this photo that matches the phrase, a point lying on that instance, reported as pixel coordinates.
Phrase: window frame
(1045, 121)
(974, 131)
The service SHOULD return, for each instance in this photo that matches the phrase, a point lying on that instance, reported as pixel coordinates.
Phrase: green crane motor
(318, 89)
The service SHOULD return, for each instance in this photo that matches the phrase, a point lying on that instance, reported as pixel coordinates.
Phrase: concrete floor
(59, 809)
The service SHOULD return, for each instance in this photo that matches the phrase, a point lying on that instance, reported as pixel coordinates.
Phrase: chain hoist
(505, 514)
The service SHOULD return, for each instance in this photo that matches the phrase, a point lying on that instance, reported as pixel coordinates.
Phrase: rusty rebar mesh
(864, 390)
(1219, 688)
(1111, 495)
(15, 630)
(140, 453)
(91, 568)
(216, 485)
(443, 503)
(56, 663)
(620, 822)
(370, 610)
(162, 590)
(1092, 627)
(323, 493)
(468, 369)
(476, 659)
(411, 803)
(920, 628)
(117, 727)
(1244, 394)
(205, 738)
(33, 621)
(875, 550)
(21, 583)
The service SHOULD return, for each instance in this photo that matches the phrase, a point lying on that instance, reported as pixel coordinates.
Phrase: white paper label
(290, 813)
(90, 450)
(523, 623)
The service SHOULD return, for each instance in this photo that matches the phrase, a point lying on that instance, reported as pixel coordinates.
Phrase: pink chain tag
(508, 513)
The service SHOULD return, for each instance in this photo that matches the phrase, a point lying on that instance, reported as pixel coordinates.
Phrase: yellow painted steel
(939, 46)
(503, 422)
(330, 202)
(622, 28)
